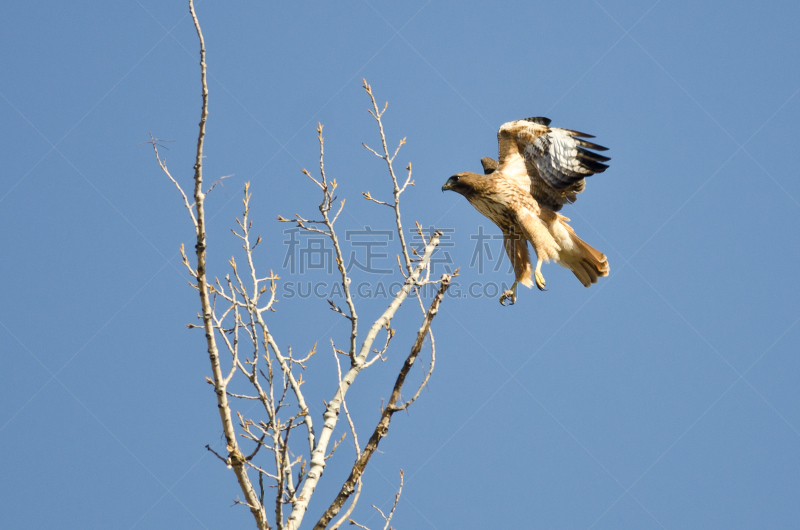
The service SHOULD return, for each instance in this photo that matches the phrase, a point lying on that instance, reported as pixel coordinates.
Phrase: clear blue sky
(666, 396)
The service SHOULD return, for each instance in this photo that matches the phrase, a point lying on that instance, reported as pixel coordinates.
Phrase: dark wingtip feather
(583, 153)
(591, 165)
(489, 165)
(590, 145)
(539, 119)
(579, 134)
(561, 180)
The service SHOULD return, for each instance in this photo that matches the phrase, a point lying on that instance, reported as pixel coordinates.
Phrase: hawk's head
(463, 183)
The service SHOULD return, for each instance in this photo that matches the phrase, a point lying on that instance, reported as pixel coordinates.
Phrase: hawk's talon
(539, 280)
(509, 294)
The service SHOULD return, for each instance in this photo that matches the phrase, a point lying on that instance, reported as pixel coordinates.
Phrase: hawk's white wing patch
(562, 157)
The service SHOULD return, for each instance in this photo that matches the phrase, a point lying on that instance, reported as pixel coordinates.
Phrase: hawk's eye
(456, 177)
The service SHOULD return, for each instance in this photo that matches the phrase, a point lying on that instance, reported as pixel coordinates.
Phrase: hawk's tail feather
(586, 262)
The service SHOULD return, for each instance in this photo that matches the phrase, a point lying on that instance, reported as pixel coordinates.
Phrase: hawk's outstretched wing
(555, 161)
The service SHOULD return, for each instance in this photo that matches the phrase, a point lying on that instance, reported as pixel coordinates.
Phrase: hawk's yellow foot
(539, 280)
(509, 294)
(537, 275)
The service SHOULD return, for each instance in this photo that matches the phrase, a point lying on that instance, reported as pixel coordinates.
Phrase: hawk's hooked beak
(449, 184)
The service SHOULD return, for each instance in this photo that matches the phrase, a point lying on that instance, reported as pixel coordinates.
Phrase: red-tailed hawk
(540, 169)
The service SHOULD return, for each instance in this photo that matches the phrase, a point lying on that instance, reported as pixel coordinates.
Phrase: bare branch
(283, 464)
(336, 446)
(358, 525)
(379, 354)
(242, 396)
(259, 444)
(394, 506)
(306, 173)
(369, 197)
(336, 309)
(332, 408)
(325, 206)
(344, 403)
(373, 151)
(235, 457)
(389, 159)
(387, 519)
(163, 165)
(224, 460)
(382, 429)
(262, 472)
(350, 508)
(218, 181)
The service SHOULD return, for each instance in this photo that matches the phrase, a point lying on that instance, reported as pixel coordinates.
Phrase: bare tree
(233, 315)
